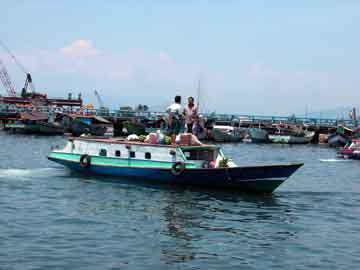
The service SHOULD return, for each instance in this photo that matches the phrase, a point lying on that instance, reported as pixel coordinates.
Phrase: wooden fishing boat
(337, 139)
(291, 135)
(22, 128)
(181, 164)
(50, 128)
(340, 137)
(87, 124)
(132, 127)
(228, 133)
(35, 123)
(256, 135)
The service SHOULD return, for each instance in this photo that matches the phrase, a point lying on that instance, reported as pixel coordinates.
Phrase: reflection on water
(179, 216)
(191, 217)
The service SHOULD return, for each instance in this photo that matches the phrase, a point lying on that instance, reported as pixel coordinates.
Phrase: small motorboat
(351, 150)
(183, 162)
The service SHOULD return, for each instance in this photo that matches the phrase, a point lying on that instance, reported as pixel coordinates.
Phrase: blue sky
(264, 57)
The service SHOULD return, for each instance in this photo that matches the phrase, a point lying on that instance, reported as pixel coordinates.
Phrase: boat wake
(31, 173)
(333, 160)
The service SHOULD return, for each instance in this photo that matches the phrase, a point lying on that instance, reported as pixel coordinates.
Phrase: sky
(251, 57)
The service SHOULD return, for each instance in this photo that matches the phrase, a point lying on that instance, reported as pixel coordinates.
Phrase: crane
(5, 78)
(28, 85)
(6, 81)
(103, 110)
(99, 99)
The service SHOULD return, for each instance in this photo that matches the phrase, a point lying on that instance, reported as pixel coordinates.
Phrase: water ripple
(52, 218)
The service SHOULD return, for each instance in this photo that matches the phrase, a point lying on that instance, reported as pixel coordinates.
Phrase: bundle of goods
(186, 139)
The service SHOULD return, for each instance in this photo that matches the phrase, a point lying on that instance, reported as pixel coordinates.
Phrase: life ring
(178, 168)
(85, 161)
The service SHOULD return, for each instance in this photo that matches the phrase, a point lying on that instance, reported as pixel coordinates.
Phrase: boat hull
(291, 139)
(51, 129)
(250, 179)
(347, 153)
(258, 135)
(337, 140)
(235, 135)
(23, 128)
(37, 129)
(79, 128)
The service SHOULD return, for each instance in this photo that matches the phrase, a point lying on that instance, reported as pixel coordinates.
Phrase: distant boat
(133, 128)
(228, 133)
(292, 137)
(256, 135)
(340, 137)
(351, 150)
(337, 140)
(36, 123)
(54, 128)
(88, 124)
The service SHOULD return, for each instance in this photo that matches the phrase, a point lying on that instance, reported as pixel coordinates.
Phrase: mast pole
(198, 96)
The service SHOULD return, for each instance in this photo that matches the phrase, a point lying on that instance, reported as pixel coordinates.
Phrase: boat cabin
(144, 154)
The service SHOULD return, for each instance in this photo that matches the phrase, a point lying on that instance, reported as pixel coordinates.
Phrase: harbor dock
(142, 121)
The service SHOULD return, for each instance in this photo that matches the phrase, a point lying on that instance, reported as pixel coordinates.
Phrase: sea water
(52, 218)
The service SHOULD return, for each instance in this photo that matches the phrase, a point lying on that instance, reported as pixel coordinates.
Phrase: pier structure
(226, 119)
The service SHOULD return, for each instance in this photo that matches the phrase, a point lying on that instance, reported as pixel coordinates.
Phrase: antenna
(198, 95)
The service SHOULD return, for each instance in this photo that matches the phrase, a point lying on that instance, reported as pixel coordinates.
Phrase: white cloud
(81, 58)
(249, 87)
(79, 47)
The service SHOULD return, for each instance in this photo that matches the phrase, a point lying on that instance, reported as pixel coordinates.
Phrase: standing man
(174, 116)
(191, 115)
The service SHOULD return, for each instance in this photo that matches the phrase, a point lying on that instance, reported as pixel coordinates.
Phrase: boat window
(103, 152)
(200, 154)
(147, 155)
(132, 154)
(117, 153)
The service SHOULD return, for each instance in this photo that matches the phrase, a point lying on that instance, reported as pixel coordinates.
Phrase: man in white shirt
(174, 113)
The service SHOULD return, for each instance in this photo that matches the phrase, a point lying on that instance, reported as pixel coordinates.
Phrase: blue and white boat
(192, 164)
